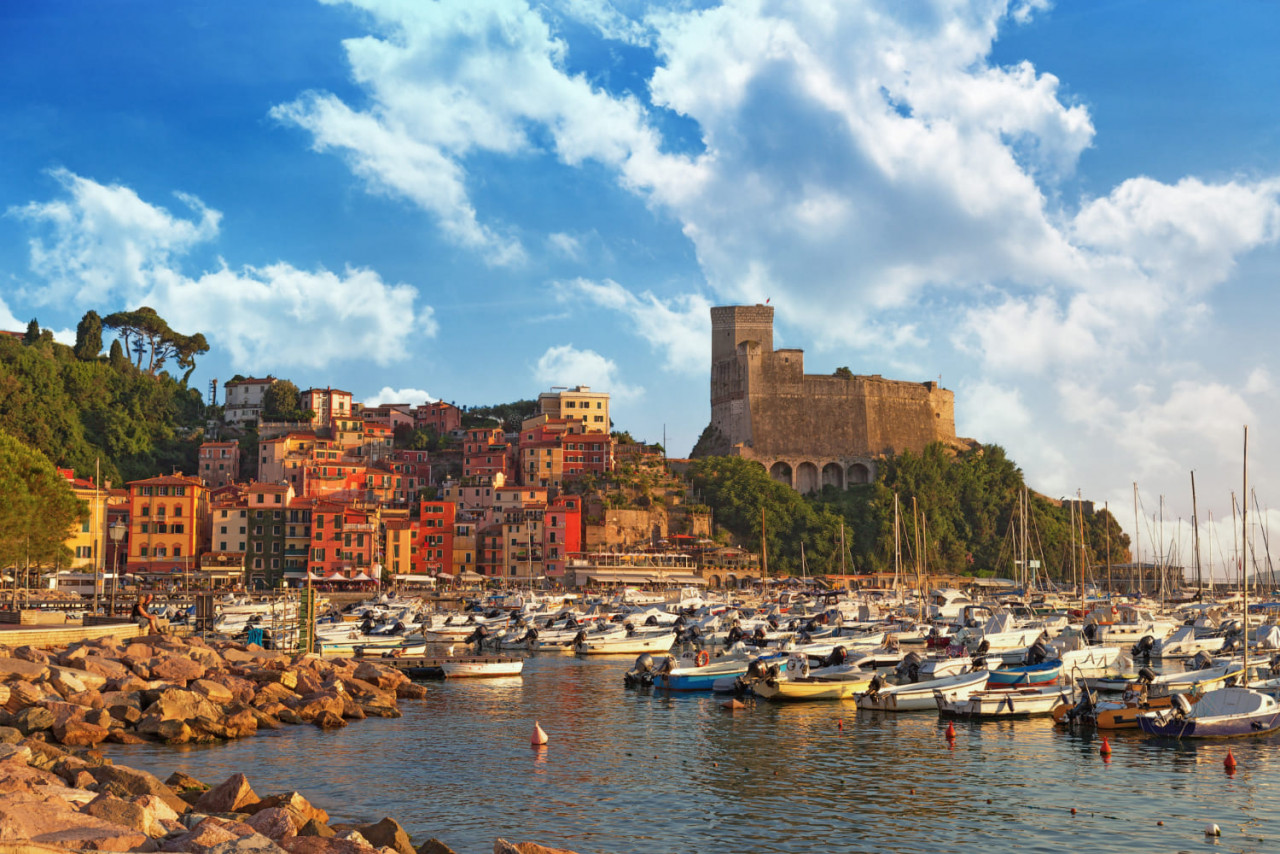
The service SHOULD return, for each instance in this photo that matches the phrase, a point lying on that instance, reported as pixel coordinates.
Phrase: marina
(647, 770)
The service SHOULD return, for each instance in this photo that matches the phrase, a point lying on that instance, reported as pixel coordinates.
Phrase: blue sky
(1069, 213)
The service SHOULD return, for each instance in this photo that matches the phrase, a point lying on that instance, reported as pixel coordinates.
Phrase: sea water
(631, 770)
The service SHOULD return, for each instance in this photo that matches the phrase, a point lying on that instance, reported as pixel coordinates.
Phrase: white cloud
(413, 396)
(568, 366)
(8, 321)
(679, 328)
(451, 79)
(566, 245)
(105, 246)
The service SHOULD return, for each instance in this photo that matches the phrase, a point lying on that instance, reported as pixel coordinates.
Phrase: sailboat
(1231, 711)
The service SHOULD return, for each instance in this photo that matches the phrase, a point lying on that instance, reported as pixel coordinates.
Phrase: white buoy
(1212, 830)
(449, 650)
(539, 735)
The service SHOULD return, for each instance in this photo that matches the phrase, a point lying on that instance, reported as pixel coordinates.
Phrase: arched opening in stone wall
(807, 478)
(713, 580)
(731, 581)
(859, 473)
(781, 472)
(833, 475)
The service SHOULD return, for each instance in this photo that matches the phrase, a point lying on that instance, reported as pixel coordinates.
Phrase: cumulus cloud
(568, 366)
(679, 328)
(413, 396)
(104, 245)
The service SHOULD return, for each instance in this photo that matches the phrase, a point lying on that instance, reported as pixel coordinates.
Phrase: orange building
(169, 524)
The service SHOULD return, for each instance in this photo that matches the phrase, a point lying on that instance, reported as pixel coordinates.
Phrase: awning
(615, 578)
(684, 579)
(471, 576)
(360, 576)
(445, 575)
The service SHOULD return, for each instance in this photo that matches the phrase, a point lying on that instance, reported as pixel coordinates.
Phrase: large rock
(81, 734)
(9, 735)
(65, 682)
(181, 781)
(178, 704)
(323, 845)
(275, 693)
(435, 846)
(12, 669)
(387, 834)
(119, 811)
(276, 823)
(88, 680)
(104, 667)
(214, 691)
(313, 705)
(502, 846)
(295, 802)
(33, 719)
(123, 780)
(242, 689)
(230, 795)
(53, 821)
(328, 720)
(176, 668)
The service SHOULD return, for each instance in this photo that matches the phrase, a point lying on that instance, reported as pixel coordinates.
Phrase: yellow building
(579, 403)
(168, 524)
(88, 540)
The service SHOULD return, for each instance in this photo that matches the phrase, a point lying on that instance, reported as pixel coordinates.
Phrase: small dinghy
(1016, 703)
(1225, 713)
(481, 668)
(918, 696)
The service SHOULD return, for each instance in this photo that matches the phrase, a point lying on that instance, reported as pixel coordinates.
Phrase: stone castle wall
(810, 430)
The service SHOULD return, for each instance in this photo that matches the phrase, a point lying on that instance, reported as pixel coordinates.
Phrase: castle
(811, 430)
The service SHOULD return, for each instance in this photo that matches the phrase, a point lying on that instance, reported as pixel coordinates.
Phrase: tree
(148, 335)
(33, 332)
(117, 357)
(844, 373)
(37, 507)
(282, 402)
(89, 337)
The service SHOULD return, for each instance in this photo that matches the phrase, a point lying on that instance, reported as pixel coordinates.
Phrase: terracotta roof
(169, 479)
(249, 381)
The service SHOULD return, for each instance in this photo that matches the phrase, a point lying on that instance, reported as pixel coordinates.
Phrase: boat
(1225, 713)
(477, 668)
(1015, 703)
(1026, 675)
(1111, 714)
(626, 644)
(795, 690)
(918, 696)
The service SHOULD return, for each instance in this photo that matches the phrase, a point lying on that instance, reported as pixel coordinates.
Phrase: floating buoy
(840, 724)
(1159, 824)
(733, 705)
(1230, 762)
(1105, 749)
(1212, 830)
(539, 735)
(951, 731)
(1073, 810)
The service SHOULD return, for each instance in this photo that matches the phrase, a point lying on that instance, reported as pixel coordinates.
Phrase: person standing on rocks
(142, 616)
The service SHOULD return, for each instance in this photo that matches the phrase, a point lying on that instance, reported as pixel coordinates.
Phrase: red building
(219, 463)
(562, 534)
(439, 416)
(486, 453)
(435, 537)
(344, 541)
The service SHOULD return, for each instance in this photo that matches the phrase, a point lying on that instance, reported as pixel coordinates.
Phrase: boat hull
(482, 669)
(1031, 676)
(1210, 728)
(800, 691)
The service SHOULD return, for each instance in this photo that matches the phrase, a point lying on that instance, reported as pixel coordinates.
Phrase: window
(177, 551)
(275, 530)
(142, 528)
(223, 530)
(146, 511)
(224, 515)
(275, 547)
(278, 498)
(177, 528)
(177, 509)
(242, 530)
(222, 546)
(257, 547)
(160, 551)
(142, 552)
(257, 530)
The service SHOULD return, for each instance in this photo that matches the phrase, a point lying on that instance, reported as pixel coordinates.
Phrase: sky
(1068, 213)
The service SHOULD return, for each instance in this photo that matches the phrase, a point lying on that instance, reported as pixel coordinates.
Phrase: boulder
(435, 846)
(23, 694)
(230, 795)
(175, 668)
(316, 828)
(118, 811)
(125, 714)
(33, 719)
(158, 816)
(181, 781)
(20, 669)
(88, 698)
(323, 845)
(387, 834)
(276, 823)
(9, 735)
(178, 704)
(123, 780)
(32, 654)
(214, 691)
(81, 734)
(502, 846)
(65, 682)
(104, 667)
(242, 689)
(90, 681)
(328, 720)
(295, 802)
(313, 705)
(138, 652)
(47, 820)
(275, 693)
(123, 736)
(411, 691)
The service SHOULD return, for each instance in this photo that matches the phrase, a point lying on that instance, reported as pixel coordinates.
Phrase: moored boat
(918, 696)
(1015, 703)
(1225, 713)
(1025, 676)
(796, 690)
(476, 668)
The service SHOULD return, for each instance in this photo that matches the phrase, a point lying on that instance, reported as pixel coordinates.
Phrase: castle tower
(732, 325)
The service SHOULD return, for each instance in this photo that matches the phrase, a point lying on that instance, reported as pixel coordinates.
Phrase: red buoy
(951, 731)
(1105, 750)
(539, 735)
(840, 724)
(1230, 762)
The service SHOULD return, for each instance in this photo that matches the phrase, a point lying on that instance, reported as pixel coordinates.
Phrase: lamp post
(117, 532)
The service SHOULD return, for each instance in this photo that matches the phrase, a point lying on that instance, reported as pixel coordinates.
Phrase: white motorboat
(1018, 703)
(919, 696)
(477, 668)
(1184, 642)
(625, 644)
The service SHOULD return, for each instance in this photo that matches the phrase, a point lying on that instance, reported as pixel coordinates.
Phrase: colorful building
(590, 408)
(242, 399)
(169, 524)
(327, 404)
(219, 463)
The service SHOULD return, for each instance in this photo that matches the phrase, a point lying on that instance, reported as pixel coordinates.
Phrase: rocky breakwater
(179, 690)
(54, 800)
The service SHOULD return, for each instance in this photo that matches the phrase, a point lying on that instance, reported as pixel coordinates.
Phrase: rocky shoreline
(59, 793)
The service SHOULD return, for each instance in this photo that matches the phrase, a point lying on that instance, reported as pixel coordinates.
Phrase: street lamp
(117, 532)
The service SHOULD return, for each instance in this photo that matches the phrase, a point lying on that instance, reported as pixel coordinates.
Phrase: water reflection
(647, 771)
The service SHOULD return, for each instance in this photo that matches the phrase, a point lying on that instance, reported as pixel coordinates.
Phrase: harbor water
(642, 771)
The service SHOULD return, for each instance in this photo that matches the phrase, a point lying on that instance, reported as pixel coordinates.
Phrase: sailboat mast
(1137, 540)
(897, 545)
(764, 550)
(1244, 533)
(1107, 506)
(1195, 532)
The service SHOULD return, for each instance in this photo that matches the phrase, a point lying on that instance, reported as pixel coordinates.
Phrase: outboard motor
(651, 621)
(1146, 675)
(735, 634)
(1143, 648)
(1091, 632)
(397, 629)
(631, 630)
(909, 668)
(641, 673)
(477, 637)
(877, 682)
(1084, 706)
(579, 639)
(978, 662)
(367, 625)
(836, 658)
(1181, 705)
(1202, 661)
(758, 637)
(1037, 653)
(531, 637)
(984, 647)
(773, 624)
